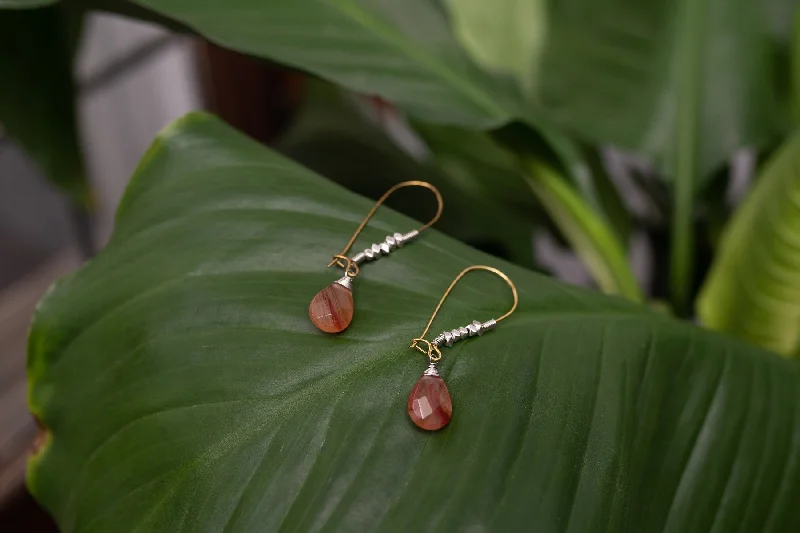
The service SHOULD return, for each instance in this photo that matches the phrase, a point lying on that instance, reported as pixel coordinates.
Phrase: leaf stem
(682, 239)
(590, 236)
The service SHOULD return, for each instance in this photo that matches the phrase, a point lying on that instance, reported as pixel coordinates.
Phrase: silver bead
(448, 338)
(410, 235)
(391, 242)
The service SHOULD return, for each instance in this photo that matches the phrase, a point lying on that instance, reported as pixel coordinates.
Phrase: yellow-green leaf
(753, 288)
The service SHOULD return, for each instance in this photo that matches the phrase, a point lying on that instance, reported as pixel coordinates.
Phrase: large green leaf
(37, 94)
(184, 388)
(403, 51)
(753, 289)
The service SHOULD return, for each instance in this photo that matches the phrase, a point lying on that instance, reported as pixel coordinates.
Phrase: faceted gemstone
(429, 404)
(331, 310)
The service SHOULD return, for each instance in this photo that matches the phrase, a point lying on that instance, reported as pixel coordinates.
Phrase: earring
(331, 310)
(429, 404)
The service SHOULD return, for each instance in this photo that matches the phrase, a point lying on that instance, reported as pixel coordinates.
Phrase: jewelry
(331, 310)
(429, 404)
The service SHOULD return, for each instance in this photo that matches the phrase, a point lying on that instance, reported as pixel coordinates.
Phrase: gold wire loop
(351, 269)
(432, 347)
(429, 352)
(342, 256)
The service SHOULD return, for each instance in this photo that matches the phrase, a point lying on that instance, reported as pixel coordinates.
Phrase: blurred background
(133, 79)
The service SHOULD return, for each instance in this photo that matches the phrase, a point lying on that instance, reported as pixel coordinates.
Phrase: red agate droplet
(429, 404)
(331, 310)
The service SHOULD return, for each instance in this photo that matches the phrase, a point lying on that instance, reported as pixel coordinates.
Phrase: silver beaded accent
(431, 370)
(391, 242)
(447, 338)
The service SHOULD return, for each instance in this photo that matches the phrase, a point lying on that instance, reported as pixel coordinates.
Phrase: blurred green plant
(515, 107)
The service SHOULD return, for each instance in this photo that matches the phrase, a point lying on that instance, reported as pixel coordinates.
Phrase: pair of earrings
(331, 310)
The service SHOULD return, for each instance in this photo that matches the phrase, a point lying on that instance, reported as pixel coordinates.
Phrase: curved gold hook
(343, 261)
(432, 347)
(430, 351)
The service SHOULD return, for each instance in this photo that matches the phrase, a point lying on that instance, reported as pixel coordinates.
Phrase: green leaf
(37, 94)
(184, 388)
(589, 235)
(651, 75)
(505, 36)
(753, 288)
(403, 51)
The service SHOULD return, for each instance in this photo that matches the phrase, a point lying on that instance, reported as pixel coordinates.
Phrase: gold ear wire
(350, 266)
(476, 328)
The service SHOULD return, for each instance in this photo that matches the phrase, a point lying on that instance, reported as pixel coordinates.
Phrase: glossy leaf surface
(184, 388)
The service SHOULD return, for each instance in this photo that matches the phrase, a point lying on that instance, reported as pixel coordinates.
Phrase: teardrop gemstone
(429, 404)
(331, 310)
